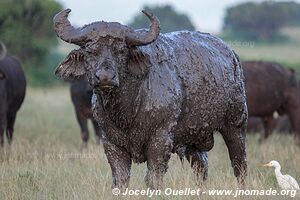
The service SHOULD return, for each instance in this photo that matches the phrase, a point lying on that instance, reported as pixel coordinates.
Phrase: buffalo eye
(89, 51)
(122, 51)
(2, 76)
(81, 57)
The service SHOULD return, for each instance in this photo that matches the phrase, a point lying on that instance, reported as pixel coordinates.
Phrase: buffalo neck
(122, 104)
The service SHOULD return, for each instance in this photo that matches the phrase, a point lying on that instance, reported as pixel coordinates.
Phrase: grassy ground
(45, 162)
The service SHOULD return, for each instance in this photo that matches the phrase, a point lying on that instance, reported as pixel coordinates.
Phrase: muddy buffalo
(12, 93)
(283, 124)
(269, 88)
(155, 94)
(81, 95)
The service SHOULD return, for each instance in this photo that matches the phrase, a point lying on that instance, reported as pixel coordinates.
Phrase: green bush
(170, 19)
(44, 75)
(26, 30)
(261, 21)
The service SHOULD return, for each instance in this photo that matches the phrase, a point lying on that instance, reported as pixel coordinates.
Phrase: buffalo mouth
(106, 87)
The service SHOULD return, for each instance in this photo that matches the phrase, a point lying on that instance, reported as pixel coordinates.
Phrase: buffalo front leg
(120, 162)
(82, 121)
(294, 117)
(268, 122)
(3, 115)
(235, 142)
(2, 128)
(199, 163)
(158, 156)
(11, 118)
(98, 131)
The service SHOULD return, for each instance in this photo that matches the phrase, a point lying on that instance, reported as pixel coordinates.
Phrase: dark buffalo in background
(255, 125)
(270, 87)
(12, 93)
(281, 124)
(155, 94)
(81, 95)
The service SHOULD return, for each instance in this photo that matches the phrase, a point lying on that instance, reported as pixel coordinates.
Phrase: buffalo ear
(73, 66)
(2, 75)
(139, 63)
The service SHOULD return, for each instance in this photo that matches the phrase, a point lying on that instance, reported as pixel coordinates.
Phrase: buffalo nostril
(98, 74)
(106, 64)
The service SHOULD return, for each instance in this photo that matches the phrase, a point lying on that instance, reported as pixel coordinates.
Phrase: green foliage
(44, 75)
(169, 19)
(291, 10)
(26, 28)
(260, 21)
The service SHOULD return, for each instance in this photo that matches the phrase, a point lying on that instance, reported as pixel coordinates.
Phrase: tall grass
(45, 161)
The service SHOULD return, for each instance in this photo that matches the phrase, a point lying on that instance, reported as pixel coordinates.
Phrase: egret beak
(267, 165)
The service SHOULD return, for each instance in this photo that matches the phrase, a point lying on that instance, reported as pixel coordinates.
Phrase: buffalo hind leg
(199, 164)
(293, 113)
(235, 141)
(295, 126)
(158, 156)
(82, 120)
(10, 127)
(268, 122)
(120, 162)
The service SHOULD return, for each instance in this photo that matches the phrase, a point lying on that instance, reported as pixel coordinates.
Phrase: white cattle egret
(285, 182)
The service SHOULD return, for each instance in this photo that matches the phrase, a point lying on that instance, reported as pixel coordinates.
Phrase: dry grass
(45, 161)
